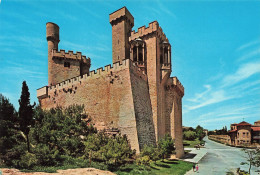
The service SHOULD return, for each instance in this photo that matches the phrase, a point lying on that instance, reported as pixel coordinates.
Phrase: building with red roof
(244, 133)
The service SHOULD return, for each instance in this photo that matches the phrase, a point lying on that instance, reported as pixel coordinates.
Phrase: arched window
(135, 53)
(165, 55)
(140, 54)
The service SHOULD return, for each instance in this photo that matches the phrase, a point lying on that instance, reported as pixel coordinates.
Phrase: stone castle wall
(136, 96)
(173, 113)
(116, 97)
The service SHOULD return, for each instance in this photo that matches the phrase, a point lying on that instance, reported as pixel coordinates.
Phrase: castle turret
(52, 35)
(122, 22)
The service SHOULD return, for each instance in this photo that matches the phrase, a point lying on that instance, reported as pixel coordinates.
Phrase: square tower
(122, 22)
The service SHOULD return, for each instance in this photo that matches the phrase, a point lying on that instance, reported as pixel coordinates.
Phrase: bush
(166, 146)
(143, 161)
(152, 152)
(189, 135)
(28, 160)
(110, 150)
(11, 138)
(58, 133)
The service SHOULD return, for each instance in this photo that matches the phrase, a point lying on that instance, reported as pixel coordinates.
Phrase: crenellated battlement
(70, 55)
(143, 31)
(134, 94)
(175, 83)
(127, 63)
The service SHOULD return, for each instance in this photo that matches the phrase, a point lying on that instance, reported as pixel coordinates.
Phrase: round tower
(53, 39)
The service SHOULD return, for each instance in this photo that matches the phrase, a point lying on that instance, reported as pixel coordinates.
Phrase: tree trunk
(28, 143)
(249, 167)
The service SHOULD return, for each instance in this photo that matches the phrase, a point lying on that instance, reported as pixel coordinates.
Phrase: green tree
(252, 157)
(113, 151)
(166, 146)
(152, 152)
(8, 131)
(25, 113)
(93, 144)
(117, 150)
(199, 132)
(60, 134)
(189, 135)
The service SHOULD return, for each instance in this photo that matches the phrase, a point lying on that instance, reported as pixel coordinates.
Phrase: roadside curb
(199, 154)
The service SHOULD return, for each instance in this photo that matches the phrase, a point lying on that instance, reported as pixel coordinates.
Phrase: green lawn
(191, 144)
(172, 167)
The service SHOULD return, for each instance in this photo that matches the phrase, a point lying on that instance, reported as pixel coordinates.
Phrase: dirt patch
(80, 171)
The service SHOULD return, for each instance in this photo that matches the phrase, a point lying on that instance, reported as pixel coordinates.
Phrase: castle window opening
(67, 64)
(140, 54)
(161, 56)
(135, 53)
(165, 55)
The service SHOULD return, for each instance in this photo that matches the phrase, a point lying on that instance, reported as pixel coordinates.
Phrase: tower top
(52, 32)
(120, 14)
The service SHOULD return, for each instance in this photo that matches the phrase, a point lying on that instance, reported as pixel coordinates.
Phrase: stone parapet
(70, 55)
(177, 83)
(152, 28)
(173, 82)
(42, 92)
(119, 14)
(127, 63)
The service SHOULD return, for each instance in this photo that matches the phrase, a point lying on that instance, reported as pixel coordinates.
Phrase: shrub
(28, 160)
(144, 160)
(110, 150)
(152, 152)
(166, 146)
(189, 135)
(60, 132)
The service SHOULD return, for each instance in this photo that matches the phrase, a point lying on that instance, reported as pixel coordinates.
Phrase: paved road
(221, 159)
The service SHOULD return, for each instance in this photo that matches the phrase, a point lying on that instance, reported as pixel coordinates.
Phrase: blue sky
(215, 46)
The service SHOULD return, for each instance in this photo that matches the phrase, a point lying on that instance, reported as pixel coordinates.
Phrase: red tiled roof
(243, 123)
(233, 130)
(255, 128)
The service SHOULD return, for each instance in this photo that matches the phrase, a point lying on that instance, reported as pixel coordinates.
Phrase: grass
(173, 167)
(165, 167)
(191, 143)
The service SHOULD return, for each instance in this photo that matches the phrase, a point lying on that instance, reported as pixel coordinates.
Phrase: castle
(136, 95)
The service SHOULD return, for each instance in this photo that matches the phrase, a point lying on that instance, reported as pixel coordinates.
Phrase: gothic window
(140, 54)
(67, 64)
(165, 55)
(135, 53)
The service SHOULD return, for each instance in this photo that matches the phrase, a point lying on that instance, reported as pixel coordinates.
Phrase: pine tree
(25, 113)
(7, 128)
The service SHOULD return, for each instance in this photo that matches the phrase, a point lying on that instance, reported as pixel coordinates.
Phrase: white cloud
(245, 71)
(251, 54)
(213, 97)
(198, 96)
(227, 88)
(247, 45)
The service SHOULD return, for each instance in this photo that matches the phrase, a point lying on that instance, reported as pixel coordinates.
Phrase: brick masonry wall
(114, 99)
(143, 110)
(60, 73)
(152, 74)
(173, 117)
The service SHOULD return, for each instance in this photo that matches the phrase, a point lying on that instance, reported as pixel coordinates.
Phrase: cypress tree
(25, 113)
